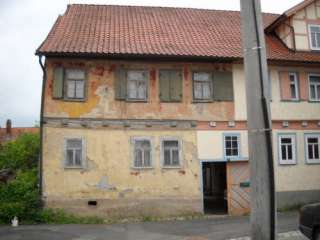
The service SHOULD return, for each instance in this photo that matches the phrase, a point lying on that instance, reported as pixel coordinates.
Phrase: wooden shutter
(58, 76)
(121, 84)
(285, 91)
(176, 86)
(164, 85)
(222, 86)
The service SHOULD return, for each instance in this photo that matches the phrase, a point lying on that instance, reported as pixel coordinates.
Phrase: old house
(145, 114)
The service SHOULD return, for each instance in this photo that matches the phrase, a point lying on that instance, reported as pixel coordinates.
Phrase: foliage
(21, 154)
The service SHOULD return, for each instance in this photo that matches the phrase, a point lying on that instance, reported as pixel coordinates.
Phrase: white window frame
(162, 140)
(296, 85)
(225, 146)
(294, 149)
(310, 37)
(146, 85)
(306, 137)
(317, 99)
(66, 80)
(133, 141)
(83, 153)
(202, 99)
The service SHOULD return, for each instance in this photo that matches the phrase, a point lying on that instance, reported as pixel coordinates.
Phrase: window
(293, 78)
(314, 35)
(74, 156)
(142, 153)
(202, 86)
(137, 85)
(231, 146)
(170, 85)
(314, 87)
(312, 142)
(287, 147)
(171, 153)
(75, 84)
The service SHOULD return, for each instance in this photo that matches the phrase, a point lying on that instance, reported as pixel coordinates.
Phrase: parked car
(309, 222)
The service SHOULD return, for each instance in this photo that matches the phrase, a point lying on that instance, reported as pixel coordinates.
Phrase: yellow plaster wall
(101, 103)
(297, 177)
(108, 154)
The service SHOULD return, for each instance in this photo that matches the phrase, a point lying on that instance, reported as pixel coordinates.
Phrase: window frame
(197, 100)
(310, 37)
(311, 135)
(133, 141)
(83, 153)
(317, 99)
(180, 151)
(294, 149)
(234, 157)
(296, 84)
(128, 99)
(65, 85)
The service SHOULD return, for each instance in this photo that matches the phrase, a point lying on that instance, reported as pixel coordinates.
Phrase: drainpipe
(42, 65)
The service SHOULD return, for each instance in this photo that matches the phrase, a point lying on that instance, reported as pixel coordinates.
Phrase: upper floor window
(170, 85)
(294, 89)
(131, 85)
(287, 146)
(74, 83)
(314, 87)
(312, 148)
(69, 84)
(231, 146)
(171, 152)
(212, 86)
(74, 152)
(314, 34)
(142, 153)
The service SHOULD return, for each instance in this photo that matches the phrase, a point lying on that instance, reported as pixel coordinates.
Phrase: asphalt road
(217, 228)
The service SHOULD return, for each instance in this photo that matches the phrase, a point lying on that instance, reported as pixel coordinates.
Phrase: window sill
(288, 164)
(313, 162)
(291, 100)
(136, 100)
(202, 101)
(314, 101)
(142, 168)
(75, 168)
(171, 167)
(73, 100)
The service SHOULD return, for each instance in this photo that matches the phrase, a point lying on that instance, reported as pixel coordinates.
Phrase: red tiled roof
(108, 30)
(16, 132)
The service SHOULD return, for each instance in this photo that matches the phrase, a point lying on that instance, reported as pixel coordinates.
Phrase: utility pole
(263, 208)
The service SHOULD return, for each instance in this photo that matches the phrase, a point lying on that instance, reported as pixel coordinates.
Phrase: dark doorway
(214, 188)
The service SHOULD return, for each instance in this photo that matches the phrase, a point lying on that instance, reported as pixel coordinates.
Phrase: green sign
(245, 184)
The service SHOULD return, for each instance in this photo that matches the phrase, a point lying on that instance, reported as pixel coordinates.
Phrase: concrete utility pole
(259, 123)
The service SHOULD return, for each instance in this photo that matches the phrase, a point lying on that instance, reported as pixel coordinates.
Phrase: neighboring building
(145, 110)
(10, 133)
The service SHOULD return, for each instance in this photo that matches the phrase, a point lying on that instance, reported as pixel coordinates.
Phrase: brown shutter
(222, 86)
(285, 91)
(303, 85)
(176, 86)
(121, 84)
(58, 76)
(164, 85)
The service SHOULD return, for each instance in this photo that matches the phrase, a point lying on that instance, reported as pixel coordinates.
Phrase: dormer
(299, 27)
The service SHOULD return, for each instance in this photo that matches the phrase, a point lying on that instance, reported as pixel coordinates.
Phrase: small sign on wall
(245, 184)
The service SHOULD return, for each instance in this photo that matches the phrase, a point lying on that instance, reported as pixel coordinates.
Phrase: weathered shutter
(58, 76)
(222, 86)
(121, 84)
(164, 85)
(176, 86)
(285, 85)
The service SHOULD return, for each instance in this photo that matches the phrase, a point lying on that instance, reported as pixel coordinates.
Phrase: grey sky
(24, 25)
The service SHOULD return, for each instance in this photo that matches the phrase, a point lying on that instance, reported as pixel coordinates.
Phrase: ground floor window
(142, 153)
(171, 152)
(312, 142)
(231, 145)
(74, 152)
(287, 149)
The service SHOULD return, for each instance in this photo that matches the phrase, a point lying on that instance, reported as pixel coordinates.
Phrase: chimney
(8, 127)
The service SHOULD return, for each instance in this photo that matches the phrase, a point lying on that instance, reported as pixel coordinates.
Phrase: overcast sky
(24, 24)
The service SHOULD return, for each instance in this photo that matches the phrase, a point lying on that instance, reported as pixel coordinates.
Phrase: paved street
(217, 228)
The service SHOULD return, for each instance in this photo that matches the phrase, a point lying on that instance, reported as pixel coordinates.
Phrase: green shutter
(164, 85)
(121, 84)
(58, 82)
(222, 86)
(176, 86)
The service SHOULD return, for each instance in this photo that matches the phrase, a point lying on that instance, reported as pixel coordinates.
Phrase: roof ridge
(161, 7)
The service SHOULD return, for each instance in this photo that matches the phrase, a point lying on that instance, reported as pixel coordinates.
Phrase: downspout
(42, 65)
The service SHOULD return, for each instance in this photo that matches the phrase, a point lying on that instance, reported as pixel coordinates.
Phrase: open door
(214, 176)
